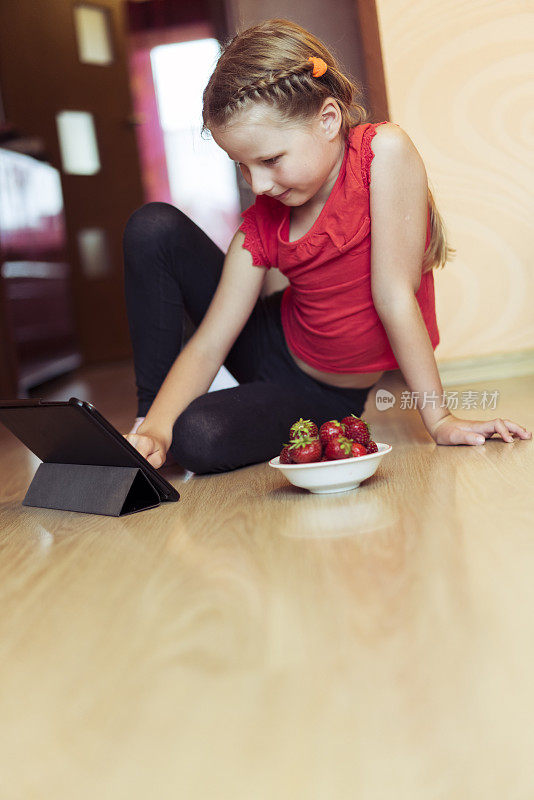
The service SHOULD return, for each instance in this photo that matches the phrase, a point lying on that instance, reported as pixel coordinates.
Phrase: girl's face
(297, 164)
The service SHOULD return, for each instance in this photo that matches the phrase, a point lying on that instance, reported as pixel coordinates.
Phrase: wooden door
(42, 75)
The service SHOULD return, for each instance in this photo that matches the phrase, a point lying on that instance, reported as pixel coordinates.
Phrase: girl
(357, 242)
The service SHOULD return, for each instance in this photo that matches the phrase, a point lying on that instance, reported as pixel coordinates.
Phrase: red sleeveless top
(328, 316)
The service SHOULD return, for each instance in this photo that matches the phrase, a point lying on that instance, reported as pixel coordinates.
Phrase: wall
(460, 81)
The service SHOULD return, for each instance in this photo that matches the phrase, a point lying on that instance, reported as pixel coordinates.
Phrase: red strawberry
(338, 448)
(303, 451)
(356, 429)
(358, 449)
(302, 427)
(285, 455)
(329, 430)
(372, 446)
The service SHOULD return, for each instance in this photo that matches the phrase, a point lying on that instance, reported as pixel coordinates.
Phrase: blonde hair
(269, 63)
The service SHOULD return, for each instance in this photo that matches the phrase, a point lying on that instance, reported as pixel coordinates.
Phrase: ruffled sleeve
(367, 152)
(253, 242)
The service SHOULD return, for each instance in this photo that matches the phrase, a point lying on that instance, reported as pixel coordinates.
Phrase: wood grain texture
(460, 80)
(257, 641)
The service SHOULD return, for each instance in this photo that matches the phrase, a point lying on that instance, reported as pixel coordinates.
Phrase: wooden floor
(257, 642)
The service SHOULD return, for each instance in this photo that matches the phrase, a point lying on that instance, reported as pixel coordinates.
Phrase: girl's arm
(199, 361)
(398, 205)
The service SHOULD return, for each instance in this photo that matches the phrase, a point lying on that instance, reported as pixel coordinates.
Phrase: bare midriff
(343, 380)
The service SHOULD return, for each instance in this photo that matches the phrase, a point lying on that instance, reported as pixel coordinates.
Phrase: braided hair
(270, 64)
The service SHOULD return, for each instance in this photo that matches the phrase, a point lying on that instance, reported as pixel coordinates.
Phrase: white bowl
(326, 477)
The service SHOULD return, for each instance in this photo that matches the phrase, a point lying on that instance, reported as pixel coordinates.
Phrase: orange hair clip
(319, 66)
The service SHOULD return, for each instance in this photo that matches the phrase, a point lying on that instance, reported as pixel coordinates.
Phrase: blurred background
(100, 111)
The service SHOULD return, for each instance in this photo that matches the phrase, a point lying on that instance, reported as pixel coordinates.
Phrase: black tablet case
(87, 465)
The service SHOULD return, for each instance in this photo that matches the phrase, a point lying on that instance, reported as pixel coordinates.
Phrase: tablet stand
(113, 491)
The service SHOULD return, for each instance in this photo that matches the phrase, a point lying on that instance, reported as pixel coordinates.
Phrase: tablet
(73, 432)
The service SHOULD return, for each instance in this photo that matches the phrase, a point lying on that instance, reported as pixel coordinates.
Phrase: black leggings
(171, 272)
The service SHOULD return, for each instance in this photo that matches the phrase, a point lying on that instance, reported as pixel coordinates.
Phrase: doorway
(169, 69)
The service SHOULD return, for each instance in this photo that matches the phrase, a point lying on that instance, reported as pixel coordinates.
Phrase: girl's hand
(453, 430)
(152, 446)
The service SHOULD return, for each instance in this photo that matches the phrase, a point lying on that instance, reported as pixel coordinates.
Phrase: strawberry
(305, 450)
(341, 447)
(285, 455)
(356, 429)
(329, 430)
(358, 449)
(302, 428)
(372, 446)
(325, 458)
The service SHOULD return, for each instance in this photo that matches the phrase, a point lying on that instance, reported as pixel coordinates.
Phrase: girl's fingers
(460, 436)
(503, 431)
(515, 428)
(475, 438)
(505, 428)
(146, 446)
(143, 444)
